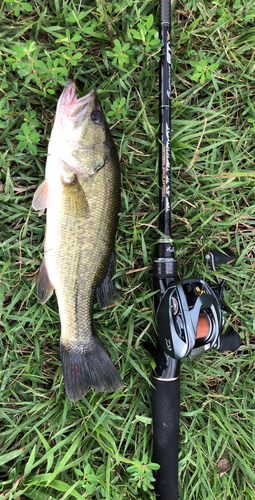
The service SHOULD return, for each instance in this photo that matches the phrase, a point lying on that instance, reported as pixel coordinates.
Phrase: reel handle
(217, 257)
(230, 341)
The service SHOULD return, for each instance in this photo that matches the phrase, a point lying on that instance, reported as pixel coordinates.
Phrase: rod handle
(166, 414)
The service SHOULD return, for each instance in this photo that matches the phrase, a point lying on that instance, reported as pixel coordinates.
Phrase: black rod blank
(166, 381)
(165, 119)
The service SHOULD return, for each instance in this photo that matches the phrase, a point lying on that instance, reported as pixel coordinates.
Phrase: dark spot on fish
(96, 117)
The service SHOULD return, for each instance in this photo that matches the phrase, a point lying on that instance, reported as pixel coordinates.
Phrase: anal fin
(44, 286)
(106, 289)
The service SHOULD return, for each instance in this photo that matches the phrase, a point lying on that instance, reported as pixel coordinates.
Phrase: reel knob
(230, 341)
(217, 257)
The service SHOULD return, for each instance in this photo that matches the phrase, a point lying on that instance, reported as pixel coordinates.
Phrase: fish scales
(88, 246)
(82, 196)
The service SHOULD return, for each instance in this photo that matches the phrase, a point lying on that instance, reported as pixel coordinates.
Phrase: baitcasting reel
(190, 315)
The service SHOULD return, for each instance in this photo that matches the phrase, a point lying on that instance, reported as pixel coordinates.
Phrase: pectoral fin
(74, 201)
(106, 289)
(44, 286)
(41, 197)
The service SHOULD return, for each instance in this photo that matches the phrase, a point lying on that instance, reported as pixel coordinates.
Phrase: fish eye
(96, 116)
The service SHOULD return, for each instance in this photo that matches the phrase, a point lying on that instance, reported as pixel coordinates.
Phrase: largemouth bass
(81, 193)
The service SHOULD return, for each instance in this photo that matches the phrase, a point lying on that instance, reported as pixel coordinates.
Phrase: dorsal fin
(106, 289)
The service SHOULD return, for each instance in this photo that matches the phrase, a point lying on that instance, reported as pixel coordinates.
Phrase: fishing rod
(189, 312)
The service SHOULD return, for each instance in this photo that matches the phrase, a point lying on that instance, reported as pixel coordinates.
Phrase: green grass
(51, 448)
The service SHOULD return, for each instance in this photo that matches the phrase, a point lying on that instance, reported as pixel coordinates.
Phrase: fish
(81, 195)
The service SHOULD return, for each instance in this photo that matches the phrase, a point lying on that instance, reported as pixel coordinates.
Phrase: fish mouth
(70, 107)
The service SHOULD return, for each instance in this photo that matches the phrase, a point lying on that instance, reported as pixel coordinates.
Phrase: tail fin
(88, 365)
